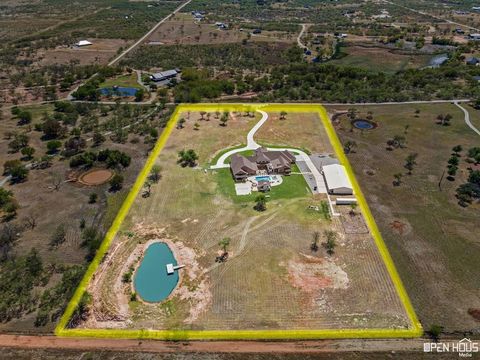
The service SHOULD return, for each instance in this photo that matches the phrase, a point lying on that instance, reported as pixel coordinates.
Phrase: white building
(337, 180)
(83, 43)
(164, 75)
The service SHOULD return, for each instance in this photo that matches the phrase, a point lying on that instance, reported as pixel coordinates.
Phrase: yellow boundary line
(415, 329)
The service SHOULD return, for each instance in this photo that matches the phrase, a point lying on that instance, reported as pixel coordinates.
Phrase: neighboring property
(165, 75)
(83, 43)
(337, 180)
(475, 37)
(472, 61)
(262, 162)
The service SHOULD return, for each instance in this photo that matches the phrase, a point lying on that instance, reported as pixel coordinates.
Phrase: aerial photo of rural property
(239, 179)
(252, 235)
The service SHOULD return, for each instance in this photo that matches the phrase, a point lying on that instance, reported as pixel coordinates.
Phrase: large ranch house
(262, 162)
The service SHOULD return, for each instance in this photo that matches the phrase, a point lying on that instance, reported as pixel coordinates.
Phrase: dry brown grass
(434, 242)
(182, 30)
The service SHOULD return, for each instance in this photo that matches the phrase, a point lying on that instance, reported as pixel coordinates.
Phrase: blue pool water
(363, 124)
(262, 178)
(119, 91)
(151, 281)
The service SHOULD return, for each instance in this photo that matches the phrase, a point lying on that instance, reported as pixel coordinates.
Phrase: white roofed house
(337, 180)
(83, 43)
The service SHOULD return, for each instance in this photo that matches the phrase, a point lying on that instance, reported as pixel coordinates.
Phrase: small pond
(151, 281)
(119, 91)
(364, 124)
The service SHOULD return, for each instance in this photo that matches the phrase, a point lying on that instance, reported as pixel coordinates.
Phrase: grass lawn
(293, 186)
(129, 80)
(378, 59)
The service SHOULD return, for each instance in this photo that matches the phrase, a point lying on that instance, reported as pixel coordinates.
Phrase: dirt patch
(400, 228)
(95, 177)
(312, 274)
(475, 313)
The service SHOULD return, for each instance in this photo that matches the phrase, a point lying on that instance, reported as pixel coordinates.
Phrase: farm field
(379, 59)
(100, 52)
(272, 280)
(433, 240)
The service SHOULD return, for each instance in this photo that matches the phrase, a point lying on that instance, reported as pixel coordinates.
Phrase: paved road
(399, 102)
(467, 118)
(150, 32)
(135, 45)
(251, 143)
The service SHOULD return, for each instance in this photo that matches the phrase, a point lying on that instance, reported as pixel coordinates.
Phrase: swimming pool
(262, 178)
(151, 281)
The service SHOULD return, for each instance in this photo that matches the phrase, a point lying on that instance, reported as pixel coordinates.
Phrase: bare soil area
(100, 52)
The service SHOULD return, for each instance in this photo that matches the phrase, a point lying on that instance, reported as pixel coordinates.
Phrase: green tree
(19, 142)
(410, 162)
(315, 240)
(53, 146)
(457, 150)
(224, 119)
(92, 198)
(330, 242)
(398, 179)
(139, 95)
(187, 158)
(116, 182)
(18, 173)
(435, 331)
(28, 152)
(98, 138)
(59, 236)
(155, 173)
(260, 203)
(224, 243)
(349, 146)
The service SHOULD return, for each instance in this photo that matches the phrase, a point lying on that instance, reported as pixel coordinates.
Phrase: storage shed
(337, 180)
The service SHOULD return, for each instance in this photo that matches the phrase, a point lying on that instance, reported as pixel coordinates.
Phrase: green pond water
(151, 281)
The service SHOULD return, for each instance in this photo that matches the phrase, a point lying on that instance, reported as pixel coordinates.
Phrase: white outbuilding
(337, 180)
(83, 43)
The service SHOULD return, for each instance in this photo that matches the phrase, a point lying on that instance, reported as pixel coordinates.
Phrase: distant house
(83, 43)
(475, 37)
(336, 179)
(221, 25)
(472, 61)
(164, 75)
(262, 161)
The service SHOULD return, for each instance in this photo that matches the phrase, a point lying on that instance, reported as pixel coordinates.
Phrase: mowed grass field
(435, 243)
(379, 59)
(271, 280)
